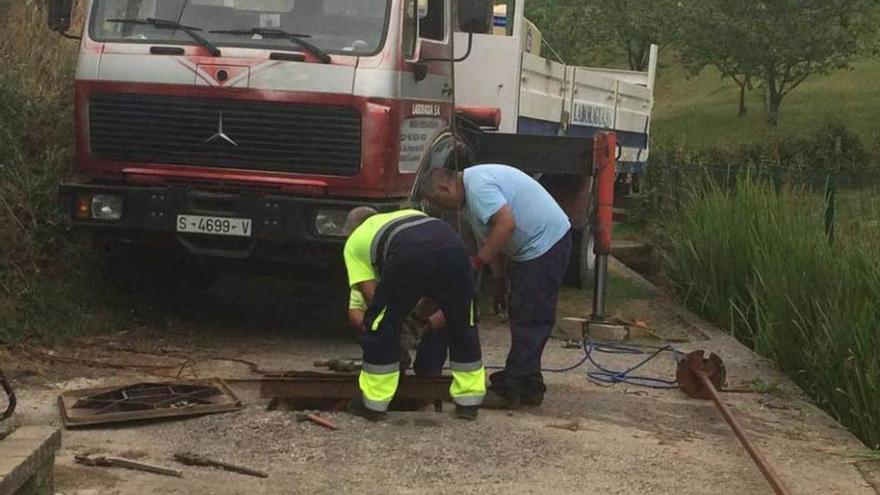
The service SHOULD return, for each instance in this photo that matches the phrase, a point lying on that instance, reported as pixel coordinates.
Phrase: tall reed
(755, 259)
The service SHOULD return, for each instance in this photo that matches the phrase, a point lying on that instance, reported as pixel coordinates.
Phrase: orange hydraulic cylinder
(604, 158)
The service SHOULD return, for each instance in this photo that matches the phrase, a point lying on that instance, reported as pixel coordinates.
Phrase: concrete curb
(27, 457)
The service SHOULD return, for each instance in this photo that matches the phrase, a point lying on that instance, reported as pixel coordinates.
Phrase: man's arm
(501, 228)
(368, 289)
(356, 319)
(498, 267)
(428, 311)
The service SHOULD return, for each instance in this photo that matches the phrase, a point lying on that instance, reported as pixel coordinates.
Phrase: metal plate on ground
(146, 401)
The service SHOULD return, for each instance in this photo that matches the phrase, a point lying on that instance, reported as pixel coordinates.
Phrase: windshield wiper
(165, 24)
(298, 39)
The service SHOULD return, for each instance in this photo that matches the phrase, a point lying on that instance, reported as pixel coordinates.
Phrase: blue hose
(606, 375)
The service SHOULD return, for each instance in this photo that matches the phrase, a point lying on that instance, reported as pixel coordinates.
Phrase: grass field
(700, 111)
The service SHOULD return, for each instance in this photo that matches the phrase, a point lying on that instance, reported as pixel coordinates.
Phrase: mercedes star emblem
(220, 134)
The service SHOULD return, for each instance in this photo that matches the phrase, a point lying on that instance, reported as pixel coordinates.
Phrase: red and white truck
(247, 129)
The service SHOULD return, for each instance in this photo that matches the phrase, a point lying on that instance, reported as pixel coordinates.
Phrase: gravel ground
(586, 438)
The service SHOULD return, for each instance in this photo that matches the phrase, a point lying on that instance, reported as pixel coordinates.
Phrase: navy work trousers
(428, 260)
(534, 294)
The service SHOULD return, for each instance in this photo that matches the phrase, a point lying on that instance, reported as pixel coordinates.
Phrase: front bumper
(283, 226)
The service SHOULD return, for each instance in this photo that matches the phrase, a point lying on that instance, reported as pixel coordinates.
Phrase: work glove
(499, 295)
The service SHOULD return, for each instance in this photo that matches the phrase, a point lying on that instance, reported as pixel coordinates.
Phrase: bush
(755, 259)
(46, 278)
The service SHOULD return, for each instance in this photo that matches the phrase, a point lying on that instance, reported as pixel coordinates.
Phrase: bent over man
(395, 260)
(516, 218)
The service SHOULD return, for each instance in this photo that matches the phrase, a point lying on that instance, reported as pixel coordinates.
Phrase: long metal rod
(765, 467)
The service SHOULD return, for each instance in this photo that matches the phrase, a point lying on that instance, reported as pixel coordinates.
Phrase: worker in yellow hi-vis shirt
(395, 260)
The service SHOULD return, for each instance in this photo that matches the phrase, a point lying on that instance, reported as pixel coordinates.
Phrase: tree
(635, 25)
(603, 32)
(709, 37)
(780, 43)
(566, 26)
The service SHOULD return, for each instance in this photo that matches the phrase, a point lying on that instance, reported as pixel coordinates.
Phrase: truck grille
(255, 135)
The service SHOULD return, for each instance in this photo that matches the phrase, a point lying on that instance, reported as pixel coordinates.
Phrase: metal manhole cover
(146, 401)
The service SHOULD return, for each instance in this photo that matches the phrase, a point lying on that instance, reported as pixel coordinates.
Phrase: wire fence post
(831, 194)
(830, 207)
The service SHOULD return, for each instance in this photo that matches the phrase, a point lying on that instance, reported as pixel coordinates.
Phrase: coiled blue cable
(606, 375)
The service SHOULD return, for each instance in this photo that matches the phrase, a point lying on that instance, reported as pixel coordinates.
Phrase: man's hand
(499, 295)
(477, 263)
(425, 308)
(437, 321)
(428, 312)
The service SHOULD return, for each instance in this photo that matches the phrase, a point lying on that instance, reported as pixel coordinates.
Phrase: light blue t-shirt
(540, 222)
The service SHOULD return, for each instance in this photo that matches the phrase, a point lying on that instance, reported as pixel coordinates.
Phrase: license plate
(194, 224)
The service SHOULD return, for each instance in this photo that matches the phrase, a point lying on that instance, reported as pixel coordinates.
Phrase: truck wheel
(583, 260)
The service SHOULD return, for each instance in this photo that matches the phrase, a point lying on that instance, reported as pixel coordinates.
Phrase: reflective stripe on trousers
(378, 384)
(468, 383)
(378, 321)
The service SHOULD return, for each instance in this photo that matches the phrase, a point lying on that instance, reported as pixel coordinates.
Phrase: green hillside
(700, 111)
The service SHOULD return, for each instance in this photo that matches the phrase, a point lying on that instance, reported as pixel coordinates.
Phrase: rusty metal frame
(338, 386)
(74, 414)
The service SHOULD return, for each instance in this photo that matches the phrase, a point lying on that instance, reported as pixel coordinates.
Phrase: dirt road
(587, 438)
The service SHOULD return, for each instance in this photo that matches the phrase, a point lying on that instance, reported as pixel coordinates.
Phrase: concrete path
(587, 438)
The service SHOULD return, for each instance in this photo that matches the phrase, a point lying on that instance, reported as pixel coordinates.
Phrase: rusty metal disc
(7, 411)
(688, 380)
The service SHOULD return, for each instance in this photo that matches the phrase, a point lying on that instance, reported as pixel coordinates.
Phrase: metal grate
(214, 132)
(143, 401)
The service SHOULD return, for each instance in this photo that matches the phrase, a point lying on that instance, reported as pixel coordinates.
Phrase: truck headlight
(107, 207)
(331, 222)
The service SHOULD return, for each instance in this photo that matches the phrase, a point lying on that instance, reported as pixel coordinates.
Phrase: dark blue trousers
(534, 294)
(431, 261)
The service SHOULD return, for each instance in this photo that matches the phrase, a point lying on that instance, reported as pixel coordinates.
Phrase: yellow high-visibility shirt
(358, 261)
(356, 300)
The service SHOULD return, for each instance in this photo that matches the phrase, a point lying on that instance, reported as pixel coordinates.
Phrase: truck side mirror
(60, 14)
(475, 16)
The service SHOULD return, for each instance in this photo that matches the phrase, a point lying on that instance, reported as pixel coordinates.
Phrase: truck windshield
(352, 27)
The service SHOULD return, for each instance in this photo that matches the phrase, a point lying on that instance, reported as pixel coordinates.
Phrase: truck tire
(582, 266)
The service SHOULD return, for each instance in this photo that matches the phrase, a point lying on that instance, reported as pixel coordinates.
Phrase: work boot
(468, 413)
(495, 400)
(356, 407)
(533, 391)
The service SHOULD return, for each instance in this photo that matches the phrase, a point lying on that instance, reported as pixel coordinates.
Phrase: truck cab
(249, 128)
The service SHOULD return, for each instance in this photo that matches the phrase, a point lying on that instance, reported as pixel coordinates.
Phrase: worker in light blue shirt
(519, 222)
